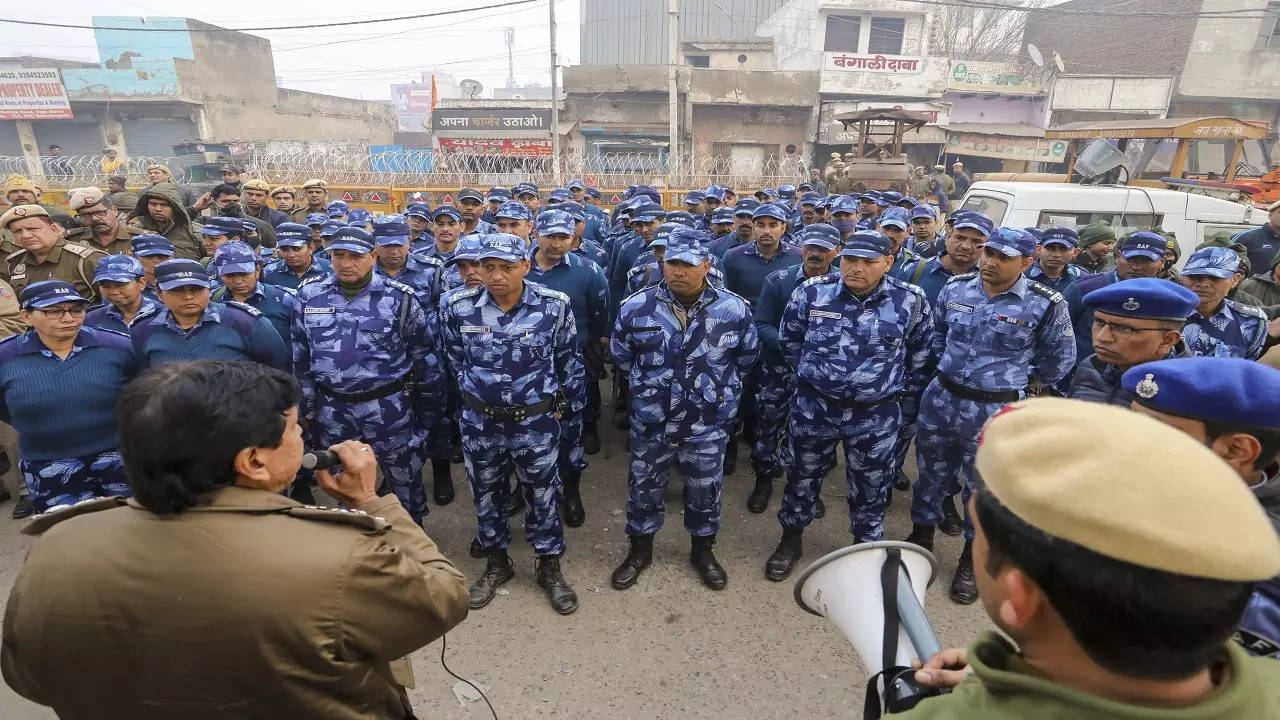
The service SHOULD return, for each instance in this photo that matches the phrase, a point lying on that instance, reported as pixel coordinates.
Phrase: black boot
(819, 508)
(638, 558)
(900, 482)
(783, 560)
(701, 557)
(590, 439)
(922, 535)
(23, 508)
(442, 481)
(731, 456)
(515, 505)
(563, 599)
(496, 571)
(758, 500)
(574, 514)
(952, 523)
(476, 550)
(964, 587)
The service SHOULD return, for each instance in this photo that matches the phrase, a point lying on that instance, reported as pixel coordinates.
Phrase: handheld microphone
(319, 460)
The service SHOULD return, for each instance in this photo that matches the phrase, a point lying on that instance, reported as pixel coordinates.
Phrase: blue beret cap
(418, 210)
(768, 192)
(1036, 233)
(172, 274)
(593, 193)
(1232, 391)
(317, 218)
(1012, 242)
(1144, 244)
(234, 257)
(895, 216)
(513, 210)
(1152, 298)
(680, 217)
(503, 246)
(292, 234)
(525, 188)
(554, 222)
(51, 292)
(117, 268)
(787, 192)
(721, 215)
(337, 208)
(498, 193)
(559, 195)
(977, 221)
(924, 211)
(685, 245)
(149, 244)
(771, 210)
(745, 206)
(907, 199)
(216, 226)
(391, 230)
(893, 196)
(1059, 236)
(810, 198)
(662, 234)
(820, 234)
(1219, 262)
(353, 239)
(867, 244)
(448, 210)
(879, 198)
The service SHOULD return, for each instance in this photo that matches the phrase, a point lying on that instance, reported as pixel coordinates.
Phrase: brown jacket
(250, 607)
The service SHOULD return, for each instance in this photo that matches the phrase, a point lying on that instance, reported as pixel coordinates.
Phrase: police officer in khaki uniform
(214, 595)
(285, 198)
(102, 227)
(1119, 574)
(45, 253)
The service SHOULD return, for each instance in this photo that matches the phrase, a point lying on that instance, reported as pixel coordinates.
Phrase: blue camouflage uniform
(1234, 329)
(685, 368)
(513, 368)
(424, 239)
(745, 207)
(430, 248)
(628, 248)
(855, 359)
(370, 368)
(281, 275)
(987, 348)
(64, 409)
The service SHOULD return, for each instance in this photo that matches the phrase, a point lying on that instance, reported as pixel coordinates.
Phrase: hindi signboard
(497, 146)
(33, 94)
(872, 63)
(1007, 148)
(514, 121)
(1001, 77)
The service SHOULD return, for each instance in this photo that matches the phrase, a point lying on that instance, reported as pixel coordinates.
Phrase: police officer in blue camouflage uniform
(471, 204)
(446, 233)
(584, 246)
(1053, 267)
(511, 344)
(685, 347)
(122, 284)
(188, 326)
(337, 210)
(367, 356)
(419, 217)
(396, 261)
(1232, 406)
(721, 225)
(495, 197)
(1220, 326)
(526, 193)
(297, 263)
(151, 250)
(895, 224)
(514, 218)
(463, 268)
(859, 342)
(995, 328)
(844, 215)
(236, 267)
(820, 245)
(743, 229)
(1141, 255)
(553, 265)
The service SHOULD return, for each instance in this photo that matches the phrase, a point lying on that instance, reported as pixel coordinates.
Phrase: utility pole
(673, 93)
(555, 101)
(511, 62)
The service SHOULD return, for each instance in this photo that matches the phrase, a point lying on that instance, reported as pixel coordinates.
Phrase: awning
(1201, 128)
(1004, 129)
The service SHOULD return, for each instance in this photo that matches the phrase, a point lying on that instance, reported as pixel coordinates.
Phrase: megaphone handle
(913, 619)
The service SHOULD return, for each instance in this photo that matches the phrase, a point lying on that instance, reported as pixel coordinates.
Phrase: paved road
(666, 648)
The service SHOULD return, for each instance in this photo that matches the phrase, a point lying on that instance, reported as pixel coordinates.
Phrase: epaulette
(822, 280)
(1245, 309)
(48, 519)
(13, 255)
(371, 524)
(911, 287)
(312, 280)
(115, 333)
(145, 314)
(1042, 289)
(81, 250)
(548, 292)
(242, 306)
(638, 269)
(429, 260)
(397, 285)
(463, 291)
(963, 276)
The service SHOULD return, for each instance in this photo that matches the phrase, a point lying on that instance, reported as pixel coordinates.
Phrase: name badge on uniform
(319, 311)
(960, 306)
(824, 314)
(475, 329)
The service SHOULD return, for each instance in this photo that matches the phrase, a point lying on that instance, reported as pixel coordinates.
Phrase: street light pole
(555, 101)
(673, 93)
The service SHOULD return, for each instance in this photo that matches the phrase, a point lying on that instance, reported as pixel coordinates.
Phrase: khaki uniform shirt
(298, 214)
(121, 244)
(252, 606)
(10, 318)
(70, 262)
(840, 184)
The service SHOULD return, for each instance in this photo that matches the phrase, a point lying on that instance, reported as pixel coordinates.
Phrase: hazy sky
(361, 61)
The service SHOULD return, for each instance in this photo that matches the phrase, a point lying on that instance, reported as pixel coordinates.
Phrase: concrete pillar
(30, 148)
(112, 133)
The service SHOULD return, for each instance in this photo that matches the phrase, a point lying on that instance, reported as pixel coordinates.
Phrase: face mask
(845, 226)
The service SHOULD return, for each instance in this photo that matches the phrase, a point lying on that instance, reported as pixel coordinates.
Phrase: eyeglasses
(94, 214)
(57, 313)
(1120, 330)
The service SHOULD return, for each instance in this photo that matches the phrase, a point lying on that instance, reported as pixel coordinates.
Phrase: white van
(1192, 218)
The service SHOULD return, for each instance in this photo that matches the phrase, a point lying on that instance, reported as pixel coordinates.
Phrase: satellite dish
(471, 88)
(1036, 57)
(1057, 60)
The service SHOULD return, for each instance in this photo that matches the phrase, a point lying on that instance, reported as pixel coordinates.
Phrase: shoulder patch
(46, 520)
(308, 281)
(963, 276)
(1042, 289)
(146, 314)
(548, 292)
(81, 250)
(371, 524)
(247, 308)
(904, 285)
(461, 292)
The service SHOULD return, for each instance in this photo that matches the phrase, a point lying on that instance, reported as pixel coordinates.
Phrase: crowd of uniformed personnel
(481, 331)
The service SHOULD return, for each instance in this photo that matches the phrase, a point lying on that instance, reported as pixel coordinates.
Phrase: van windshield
(1130, 222)
(992, 207)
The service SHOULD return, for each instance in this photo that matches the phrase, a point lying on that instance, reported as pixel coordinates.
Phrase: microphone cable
(444, 643)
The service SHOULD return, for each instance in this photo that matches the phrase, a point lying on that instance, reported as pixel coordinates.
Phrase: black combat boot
(476, 550)
(563, 599)
(731, 455)
(701, 557)
(442, 481)
(23, 508)
(819, 508)
(758, 500)
(964, 587)
(922, 535)
(590, 439)
(783, 560)
(496, 571)
(952, 522)
(574, 513)
(638, 558)
(900, 482)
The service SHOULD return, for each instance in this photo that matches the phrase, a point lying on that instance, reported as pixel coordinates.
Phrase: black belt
(850, 404)
(982, 396)
(507, 413)
(368, 395)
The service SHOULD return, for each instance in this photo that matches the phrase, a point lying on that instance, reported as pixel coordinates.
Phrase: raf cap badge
(1130, 305)
(1147, 388)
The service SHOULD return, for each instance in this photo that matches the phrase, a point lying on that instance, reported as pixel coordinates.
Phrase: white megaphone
(874, 593)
